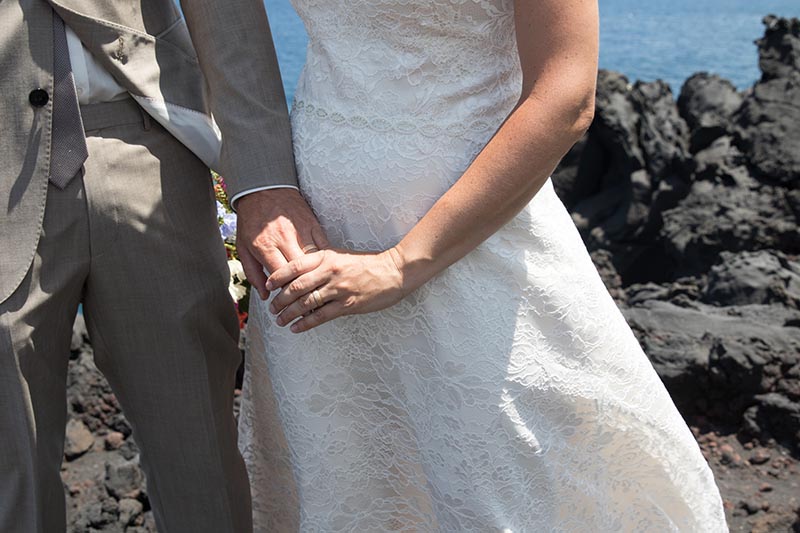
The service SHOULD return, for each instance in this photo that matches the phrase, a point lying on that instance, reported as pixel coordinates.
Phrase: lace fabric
(508, 393)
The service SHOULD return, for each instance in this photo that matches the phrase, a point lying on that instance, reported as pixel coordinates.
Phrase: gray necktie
(68, 150)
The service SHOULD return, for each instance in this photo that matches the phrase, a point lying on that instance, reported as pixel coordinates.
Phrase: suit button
(38, 98)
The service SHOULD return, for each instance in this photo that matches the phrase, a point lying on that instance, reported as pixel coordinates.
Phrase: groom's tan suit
(133, 237)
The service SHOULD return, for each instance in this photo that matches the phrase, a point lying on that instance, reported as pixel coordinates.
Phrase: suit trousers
(136, 241)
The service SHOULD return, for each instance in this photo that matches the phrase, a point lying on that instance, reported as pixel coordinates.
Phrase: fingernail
(295, 328)
(272, 309)
(270, 285)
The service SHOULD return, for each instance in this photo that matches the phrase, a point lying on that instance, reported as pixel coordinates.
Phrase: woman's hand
(334, 283)
(558, 43)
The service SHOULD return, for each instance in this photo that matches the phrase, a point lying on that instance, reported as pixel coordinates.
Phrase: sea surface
(644, 39)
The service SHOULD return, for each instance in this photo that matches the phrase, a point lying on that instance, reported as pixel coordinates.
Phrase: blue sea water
(644, 39)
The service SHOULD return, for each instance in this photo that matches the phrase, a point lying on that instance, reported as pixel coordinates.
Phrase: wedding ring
(309, 248)
(317, 298)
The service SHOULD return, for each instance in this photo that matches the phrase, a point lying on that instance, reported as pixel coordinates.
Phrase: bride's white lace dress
(507, 394)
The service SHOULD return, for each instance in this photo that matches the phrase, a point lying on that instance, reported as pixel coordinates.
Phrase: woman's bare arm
(558, 45)
(558, 49)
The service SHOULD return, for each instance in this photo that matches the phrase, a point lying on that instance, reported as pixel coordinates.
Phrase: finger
(319, 237)
(302, 306)
(312, 237)
(326, 313)
(269, 256)
(302, 265)
(298, 288)
(254, 272)
(292, 249)
(305, 239)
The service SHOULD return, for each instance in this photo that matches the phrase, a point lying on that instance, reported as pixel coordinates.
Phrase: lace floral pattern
(507, 394)
(382, 125)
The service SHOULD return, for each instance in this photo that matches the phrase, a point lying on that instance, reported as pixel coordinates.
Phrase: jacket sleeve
(234, 46)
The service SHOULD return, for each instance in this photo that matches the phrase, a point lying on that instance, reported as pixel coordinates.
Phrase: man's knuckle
(296, 286)
(262, 242)
(284, 226)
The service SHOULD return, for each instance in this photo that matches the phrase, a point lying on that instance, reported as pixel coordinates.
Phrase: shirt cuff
(257, 189)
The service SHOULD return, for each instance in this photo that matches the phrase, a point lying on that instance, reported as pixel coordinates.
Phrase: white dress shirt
(95, 85)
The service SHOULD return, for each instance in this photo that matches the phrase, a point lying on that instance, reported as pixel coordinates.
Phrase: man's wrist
(238, 196)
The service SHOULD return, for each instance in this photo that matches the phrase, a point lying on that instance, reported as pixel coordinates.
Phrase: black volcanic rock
(770, 131)
(663, 133)
(779, 48)
(616, 129)
(635, 190)
(762, 277)
(722, 163)
(633, 165)
(722, 361)
(124, 480)
(90, 398)
(611, 149)
(774, 415)
(769, 119)
(716, 218)
(610, 276)
(79, 439)
(708, 102)
(691, 211)
(672, 336)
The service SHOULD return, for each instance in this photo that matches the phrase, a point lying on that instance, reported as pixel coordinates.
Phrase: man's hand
(274, 227)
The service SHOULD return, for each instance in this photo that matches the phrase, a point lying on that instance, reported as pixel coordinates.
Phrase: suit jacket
(221, 59)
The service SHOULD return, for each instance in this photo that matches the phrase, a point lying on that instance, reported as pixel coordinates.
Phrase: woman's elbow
(582, 115)
(570, 109)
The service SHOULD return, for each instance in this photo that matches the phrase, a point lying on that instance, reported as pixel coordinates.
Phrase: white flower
(236, 268)
(236, 289)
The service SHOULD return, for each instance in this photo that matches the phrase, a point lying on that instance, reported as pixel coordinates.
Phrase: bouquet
(239, 288)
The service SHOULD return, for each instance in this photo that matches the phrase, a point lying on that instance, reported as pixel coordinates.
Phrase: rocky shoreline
(690, 207)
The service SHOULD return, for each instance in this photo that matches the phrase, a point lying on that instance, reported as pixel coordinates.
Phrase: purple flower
(227, 222)
(228, 226)
(221, 211)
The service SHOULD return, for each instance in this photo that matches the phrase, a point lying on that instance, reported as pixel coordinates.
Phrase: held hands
(334, 283)
(274, 227)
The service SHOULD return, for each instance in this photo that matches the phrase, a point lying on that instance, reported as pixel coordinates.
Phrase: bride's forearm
(497, 186)
(557, 43)
(558, 47)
